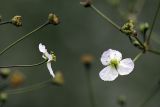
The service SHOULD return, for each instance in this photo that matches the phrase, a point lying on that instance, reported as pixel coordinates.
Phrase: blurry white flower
(50, 57)
(112, 59)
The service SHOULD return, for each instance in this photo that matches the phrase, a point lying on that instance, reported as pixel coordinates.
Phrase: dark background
(81, 31)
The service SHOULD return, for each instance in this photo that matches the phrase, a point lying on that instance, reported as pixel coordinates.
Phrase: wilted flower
(115, 65)
(50, 57)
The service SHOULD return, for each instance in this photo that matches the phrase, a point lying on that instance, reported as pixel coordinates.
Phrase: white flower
(49, 57)
(112, 59)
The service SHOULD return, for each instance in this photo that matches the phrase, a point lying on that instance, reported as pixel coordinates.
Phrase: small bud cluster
(128, 28)
(53, 56)
(144, 27)
(53, 19)
(17, 21)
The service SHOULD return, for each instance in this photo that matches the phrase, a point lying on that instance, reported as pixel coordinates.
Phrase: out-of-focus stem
(154, 51)
(28, 89)
(105, 17)
(138, 56)
(90, 89)
(153, 23)
(32, 65)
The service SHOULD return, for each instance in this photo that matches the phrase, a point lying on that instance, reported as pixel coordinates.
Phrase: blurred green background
(81, 31)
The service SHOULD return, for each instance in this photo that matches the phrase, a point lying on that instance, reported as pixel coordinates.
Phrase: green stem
(28, 89)
(90, 89)
(140, 42)
(154, 51)
(23, 37)
(32, 65)
(105, 17)
(153, 23)
(5, 22)
(137, 56)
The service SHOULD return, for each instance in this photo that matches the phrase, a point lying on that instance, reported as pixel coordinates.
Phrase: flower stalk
(32, 65)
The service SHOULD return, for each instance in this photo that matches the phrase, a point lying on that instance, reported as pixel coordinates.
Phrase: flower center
(114, 63)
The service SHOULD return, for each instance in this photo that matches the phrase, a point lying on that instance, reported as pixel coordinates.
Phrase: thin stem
(137, 56)
(153, 23)
(28, 89)
(23, 37)
(111, 22)
(90, 89)
(105, 17)
(5, 22)
(154, 51)
(32, 65)
(139, 41)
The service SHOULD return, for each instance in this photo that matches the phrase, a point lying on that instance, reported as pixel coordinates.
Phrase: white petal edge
(42, 48)
(108, 74)
(110, 54)
(50, 69)
(126, 66)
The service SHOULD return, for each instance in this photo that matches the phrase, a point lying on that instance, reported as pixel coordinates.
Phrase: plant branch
(137, 56)
(105, 17)
(5, 22)
(32, 65)
(29, 88)
(154, 51)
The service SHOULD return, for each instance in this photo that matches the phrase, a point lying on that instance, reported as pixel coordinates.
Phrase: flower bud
(16, 79)
(58, 79)
(53, 56)
(53, 19)
(87, 59)
(144, 27)
(86, 3)
(121, 100)
(3, 97)
(128, 28)
(5, 72)
(17, 21)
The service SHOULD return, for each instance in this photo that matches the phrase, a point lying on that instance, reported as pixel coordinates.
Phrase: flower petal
(50, 69)
(110, 54)
(108, 74)
(42, 48)
(126, 66)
